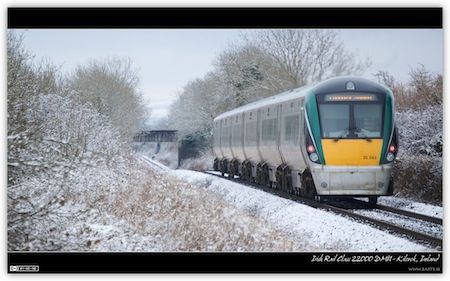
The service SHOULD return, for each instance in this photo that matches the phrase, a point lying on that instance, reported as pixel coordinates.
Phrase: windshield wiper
(363, 134)
(341, 135)
(344, 132)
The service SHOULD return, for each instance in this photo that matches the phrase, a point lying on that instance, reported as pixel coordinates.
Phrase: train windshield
(351, 119)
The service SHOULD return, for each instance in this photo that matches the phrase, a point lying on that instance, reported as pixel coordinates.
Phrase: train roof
(337, 84)
(285, 96)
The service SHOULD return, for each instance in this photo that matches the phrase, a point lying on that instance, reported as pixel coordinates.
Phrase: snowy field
(324, 229)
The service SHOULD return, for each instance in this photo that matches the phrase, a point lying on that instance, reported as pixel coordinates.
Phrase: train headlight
(390, 157)
(314, 157)
(350, 86)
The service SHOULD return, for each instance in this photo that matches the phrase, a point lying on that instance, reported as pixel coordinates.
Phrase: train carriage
(334, 138)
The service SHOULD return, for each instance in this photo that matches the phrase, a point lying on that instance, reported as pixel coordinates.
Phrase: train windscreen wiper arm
(363, 134)
(341, 135)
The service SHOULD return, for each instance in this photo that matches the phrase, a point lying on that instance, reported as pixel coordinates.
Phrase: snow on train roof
(285, 96)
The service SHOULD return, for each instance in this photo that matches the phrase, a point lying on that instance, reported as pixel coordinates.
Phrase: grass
(194, 219)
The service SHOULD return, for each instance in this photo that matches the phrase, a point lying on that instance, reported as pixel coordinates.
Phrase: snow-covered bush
(421, 131)
(419, 177)
(68, 155)
(65, 160)
(418, 169)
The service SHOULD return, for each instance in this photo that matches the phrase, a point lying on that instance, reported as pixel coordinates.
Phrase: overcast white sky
(169, 58)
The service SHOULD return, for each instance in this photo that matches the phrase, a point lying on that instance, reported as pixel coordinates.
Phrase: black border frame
(225, 17)
(321, 262)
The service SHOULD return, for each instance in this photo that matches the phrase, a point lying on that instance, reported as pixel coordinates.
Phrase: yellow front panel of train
(351, 152)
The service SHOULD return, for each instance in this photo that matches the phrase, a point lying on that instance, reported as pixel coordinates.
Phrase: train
(335, 138)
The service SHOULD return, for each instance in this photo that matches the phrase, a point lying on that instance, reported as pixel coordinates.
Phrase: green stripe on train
(313, 116)
(389, 116)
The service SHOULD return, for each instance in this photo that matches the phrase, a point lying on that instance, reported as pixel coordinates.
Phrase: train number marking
(369, 157)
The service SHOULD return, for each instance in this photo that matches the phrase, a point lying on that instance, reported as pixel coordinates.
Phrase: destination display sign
(352, 97)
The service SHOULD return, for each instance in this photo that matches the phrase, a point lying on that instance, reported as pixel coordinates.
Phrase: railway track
(350, 209)
(405, 213)
(149, 161)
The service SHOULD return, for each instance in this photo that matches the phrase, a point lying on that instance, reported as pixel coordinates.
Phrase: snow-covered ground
(318, 227)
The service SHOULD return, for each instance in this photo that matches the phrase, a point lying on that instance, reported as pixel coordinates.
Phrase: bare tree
(21, 81)
(303, 56)
(426, 85)
(422, 90)
(111, 87)
(196, 106)
(241, 71)
(272, 61)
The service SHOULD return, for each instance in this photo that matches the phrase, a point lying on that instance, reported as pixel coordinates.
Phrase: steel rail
(409, 214)
(386, 225)
(405, 213)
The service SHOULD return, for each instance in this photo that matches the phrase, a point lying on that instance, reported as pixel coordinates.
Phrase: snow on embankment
(323, 230)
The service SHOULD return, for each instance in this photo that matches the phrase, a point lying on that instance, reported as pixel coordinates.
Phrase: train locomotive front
(352, 131)
(335, 138)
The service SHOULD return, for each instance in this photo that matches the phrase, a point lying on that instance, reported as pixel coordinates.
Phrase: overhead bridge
(160, 142)
(156, 136)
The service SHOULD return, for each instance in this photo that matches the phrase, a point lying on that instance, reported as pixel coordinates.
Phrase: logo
(24, 268)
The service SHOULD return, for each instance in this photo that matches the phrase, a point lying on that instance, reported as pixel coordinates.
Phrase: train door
(243, 135)
(258, 133)
(280, 132)
(220, 137)
(216, 140)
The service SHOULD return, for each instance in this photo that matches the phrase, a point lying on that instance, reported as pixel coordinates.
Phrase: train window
(355, 120)
(269, 129)
(292, 127)
(368, 119)
(237, 134)
(334, 119)
(250, 133)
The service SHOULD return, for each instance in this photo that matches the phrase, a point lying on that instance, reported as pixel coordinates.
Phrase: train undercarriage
(281, 177)
(300, 183)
